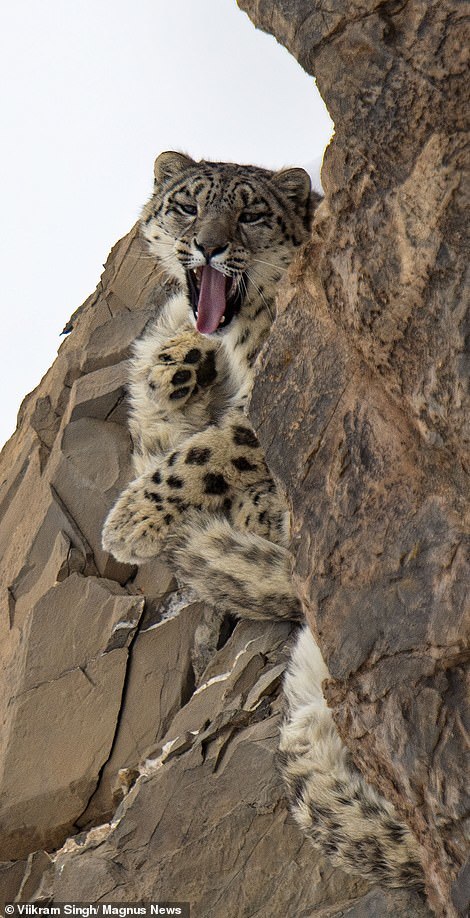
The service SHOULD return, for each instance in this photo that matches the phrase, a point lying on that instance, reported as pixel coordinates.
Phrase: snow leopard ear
(294, 184)
(169, 165)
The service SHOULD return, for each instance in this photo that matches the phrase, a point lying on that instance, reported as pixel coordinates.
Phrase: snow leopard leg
(209, 471)
(174, 380)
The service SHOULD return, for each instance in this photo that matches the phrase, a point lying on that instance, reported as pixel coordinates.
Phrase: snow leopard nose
(209, 249)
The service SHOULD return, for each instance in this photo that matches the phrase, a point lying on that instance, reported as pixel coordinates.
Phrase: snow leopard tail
(239, 572)
(343, 815)
(244, 574)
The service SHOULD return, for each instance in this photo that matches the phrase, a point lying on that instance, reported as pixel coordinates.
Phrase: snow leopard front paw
(130, 532)
(185, 366)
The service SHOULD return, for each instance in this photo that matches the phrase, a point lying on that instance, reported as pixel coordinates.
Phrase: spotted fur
(203, 497)
(343, 815)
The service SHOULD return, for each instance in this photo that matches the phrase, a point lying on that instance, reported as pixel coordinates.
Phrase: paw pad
(193, 356)
(181, 376)
(207, 373)
(181, 369)
(180, 393)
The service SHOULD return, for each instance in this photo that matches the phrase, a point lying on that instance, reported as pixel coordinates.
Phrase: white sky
(92, 91)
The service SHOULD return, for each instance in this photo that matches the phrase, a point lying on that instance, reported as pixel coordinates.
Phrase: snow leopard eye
(251, 217)
(188, 209)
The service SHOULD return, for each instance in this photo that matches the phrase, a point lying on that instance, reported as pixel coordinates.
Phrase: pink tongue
(211, 306)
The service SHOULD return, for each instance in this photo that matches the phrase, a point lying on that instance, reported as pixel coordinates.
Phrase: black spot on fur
(243, 465)
(181, 376)
(174, 482)
(340, 787)
(179, 393)
(156, 477)
(224, 543)
(206, 373)
(165, 358)
(369, 808)
(227, 505)
(153, 495)
(198, 456)
(215, 484)
(251, 357)
(318, 811)
(243, 436)
(344, 801)
(168, 518)
(192, 356)
(243, 337)
(262, 516)
(395, 831)
(172, 459)
(412, 872)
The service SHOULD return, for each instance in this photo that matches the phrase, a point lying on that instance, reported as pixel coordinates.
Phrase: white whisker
(268, 306)
(270, 264)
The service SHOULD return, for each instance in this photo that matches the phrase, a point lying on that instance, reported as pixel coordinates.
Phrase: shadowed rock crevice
(118, 639)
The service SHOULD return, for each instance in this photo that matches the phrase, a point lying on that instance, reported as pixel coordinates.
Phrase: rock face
(361, 403)
(139, 728)
(105, 667)
(67, 618)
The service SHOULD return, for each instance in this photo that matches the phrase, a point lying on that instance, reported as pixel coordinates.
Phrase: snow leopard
(203, 497)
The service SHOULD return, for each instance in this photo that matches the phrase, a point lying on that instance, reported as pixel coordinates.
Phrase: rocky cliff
(362, 403)
(139, 728)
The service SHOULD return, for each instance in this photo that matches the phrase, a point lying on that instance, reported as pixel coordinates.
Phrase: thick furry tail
(238, 571)
(343, 816)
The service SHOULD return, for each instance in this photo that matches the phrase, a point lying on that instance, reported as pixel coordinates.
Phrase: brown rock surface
(103, 665)
(66, 629)
(362, 405)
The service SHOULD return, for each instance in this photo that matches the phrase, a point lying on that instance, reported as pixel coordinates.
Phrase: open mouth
(215, 298)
